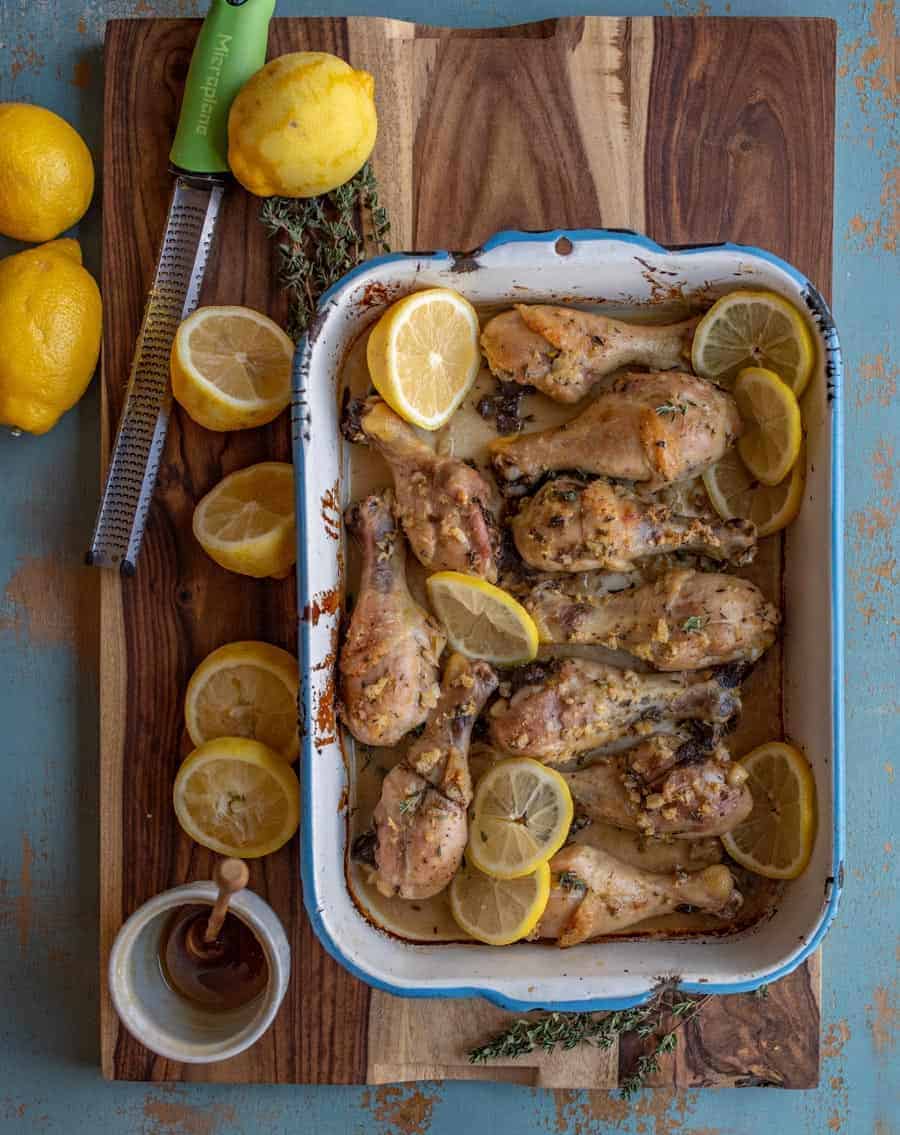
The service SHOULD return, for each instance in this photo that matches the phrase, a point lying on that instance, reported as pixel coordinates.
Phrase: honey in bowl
(219, 975)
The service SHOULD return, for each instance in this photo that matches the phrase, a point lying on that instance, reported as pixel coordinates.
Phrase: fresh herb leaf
(569, 881)
(670, 409)
(695, 623)
(319, 239)
(411, 802)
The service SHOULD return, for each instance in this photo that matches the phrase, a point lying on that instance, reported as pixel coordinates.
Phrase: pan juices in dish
(467, 436)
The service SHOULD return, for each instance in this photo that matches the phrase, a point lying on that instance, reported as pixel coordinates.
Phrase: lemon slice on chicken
(521, 817)
(499, 911)
(481, 620)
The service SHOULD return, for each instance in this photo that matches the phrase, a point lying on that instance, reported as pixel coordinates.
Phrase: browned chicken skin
(653, 428)
(421, 819)
(594, 894)
(563, 351)
(654, 790)
(443, 505)
(389, 660)
(570, 526)
(684, 620)
(579, 705)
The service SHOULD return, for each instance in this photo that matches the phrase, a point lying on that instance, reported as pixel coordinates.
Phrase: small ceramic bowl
(169, 1024)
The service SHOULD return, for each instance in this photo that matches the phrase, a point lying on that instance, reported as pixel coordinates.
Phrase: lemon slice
(776, 839)
(423, 355)
(237, 797)
(734, 491)
(231, 368)
(246, 523)
(245, 689)
(481, 620)
(499, 911)
(746, 329)
(521, 816)
(770, 443)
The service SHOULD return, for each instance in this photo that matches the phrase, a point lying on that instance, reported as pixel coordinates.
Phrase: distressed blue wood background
(51, 53)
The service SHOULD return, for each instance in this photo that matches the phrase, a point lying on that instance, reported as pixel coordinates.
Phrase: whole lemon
(302, 125)
(46, 173)
(50, 322)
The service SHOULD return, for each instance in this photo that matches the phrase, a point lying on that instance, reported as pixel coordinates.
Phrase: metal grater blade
(139, 443)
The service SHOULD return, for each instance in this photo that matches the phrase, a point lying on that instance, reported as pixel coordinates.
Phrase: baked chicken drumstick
(563, 351)
(653, 428)
(661, 788)
(388, 665)
(594, 894)
(570, 526)
(421, 823)
(443, 505)
(578, 705)
(684, 620)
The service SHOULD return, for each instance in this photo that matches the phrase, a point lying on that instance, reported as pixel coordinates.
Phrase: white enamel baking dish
(574, 267)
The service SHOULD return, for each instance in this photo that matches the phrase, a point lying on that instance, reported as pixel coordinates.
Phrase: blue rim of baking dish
(834, 376)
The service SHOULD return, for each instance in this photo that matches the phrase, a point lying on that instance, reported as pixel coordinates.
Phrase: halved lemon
(734, 491)
(231, 368)
(237, 797)
(481, 620)
(246, 523)
(776, 839)
(245, 689)
(751, 328)
(521, 816)
(423, 355)
(499, 911)
(770, 443)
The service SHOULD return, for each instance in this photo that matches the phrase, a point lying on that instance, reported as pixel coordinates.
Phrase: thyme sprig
(320, 238)
(661, 1017)
(648, 1064)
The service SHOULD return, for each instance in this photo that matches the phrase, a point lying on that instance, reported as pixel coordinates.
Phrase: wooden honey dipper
(231, 876)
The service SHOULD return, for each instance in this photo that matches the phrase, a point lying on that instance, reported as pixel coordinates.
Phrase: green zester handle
(230, 48)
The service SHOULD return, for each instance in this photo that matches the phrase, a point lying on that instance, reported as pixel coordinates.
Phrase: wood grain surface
(690, 130)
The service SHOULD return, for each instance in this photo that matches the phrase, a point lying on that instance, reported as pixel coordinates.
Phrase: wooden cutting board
(687, 129)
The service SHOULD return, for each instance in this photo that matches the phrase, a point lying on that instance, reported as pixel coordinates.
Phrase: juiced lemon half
(245, 689)
(237, 797)
(246, 523)
(231, 368)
